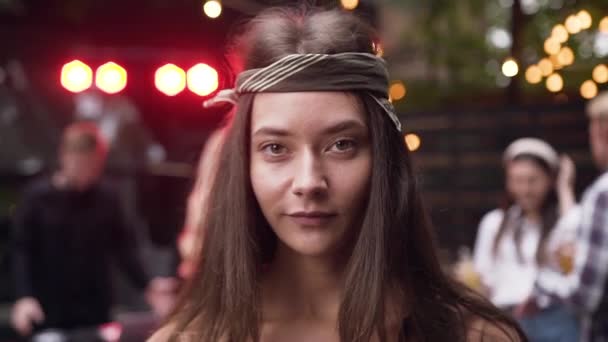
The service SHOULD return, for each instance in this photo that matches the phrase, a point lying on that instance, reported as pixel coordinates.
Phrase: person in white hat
(513, 241)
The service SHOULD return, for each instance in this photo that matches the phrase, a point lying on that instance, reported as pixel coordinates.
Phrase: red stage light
(76, 76)
(111, 78)
(202, 79)
(170, 79)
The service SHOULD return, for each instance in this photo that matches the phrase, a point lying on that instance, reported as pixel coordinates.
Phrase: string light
(584, 19)
(600, 73)
(552, 46)
(349, 4)
(397, 91)
(560, 33)
(534, 74)
(510, 67)
(573, 24)
(555, 83)
(556, 63)
(546, 67)
(212, 8)
(412, 141)
(565, 56)
(588, 89)
(604, 25)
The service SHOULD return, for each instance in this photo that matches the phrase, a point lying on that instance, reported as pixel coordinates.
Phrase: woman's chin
(313, 248)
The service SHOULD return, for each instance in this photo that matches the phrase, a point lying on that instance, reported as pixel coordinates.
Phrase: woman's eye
(344, 145)
(274, 149)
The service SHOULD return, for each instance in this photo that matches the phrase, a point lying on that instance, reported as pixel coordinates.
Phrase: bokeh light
(170, 79)
(560, 33)
(111, 78)
(510, 67)
(534, 74)
(584, 19)
(412, 141)
(555, 83)
(202, 79)
(588, 89)
(573, 24)
(546, 67)
(552, 46)
(600, 73)
(397, 91)
(603, 27)
(76, 76)
(212, 9)
(349, 4)
(565, 56)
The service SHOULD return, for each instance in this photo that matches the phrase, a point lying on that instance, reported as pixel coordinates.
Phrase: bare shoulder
(163, 334)
(170, 332)
(481, 330)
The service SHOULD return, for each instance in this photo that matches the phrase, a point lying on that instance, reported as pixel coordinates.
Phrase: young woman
(316, 230)
(513, 241)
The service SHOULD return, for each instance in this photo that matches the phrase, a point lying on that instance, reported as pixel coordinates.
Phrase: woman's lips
(313, 218)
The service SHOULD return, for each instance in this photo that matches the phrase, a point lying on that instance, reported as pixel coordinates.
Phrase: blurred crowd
(542, 256)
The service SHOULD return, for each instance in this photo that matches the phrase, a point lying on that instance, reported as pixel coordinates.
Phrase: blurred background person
(198, 204)
(512, 241)
(584, 287)
(67, 227)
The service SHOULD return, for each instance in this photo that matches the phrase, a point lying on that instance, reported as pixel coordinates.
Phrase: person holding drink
(515, 240)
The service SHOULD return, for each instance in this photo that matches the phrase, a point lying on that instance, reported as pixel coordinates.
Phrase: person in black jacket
(68, 227)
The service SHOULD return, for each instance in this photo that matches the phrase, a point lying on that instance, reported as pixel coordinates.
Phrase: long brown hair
(394, 247)
(514, 219)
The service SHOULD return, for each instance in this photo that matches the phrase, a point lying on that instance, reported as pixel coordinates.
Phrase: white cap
(598, 106)
(535, 147)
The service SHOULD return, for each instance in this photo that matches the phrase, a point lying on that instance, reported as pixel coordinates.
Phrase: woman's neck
(533, 216)
(302, 287)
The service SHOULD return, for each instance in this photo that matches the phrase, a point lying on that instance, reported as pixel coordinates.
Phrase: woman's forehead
(524, 166)
(305, 110)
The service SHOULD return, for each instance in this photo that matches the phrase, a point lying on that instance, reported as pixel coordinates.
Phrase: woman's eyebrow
(271, 131)
(343, 126)
(332, 129)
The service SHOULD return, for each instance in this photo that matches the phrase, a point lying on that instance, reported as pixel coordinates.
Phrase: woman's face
(82, 169)
(528, 183)
(310, 167)
(597, 141)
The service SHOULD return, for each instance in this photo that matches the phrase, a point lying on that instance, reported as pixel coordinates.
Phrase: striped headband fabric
(350, 71)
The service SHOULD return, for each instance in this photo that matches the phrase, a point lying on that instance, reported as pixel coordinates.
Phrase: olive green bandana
(350, 71)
